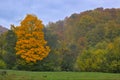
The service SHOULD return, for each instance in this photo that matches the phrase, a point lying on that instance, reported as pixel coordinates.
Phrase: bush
(2, 64)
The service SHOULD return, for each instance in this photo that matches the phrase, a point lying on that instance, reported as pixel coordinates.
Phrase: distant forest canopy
(89, 41)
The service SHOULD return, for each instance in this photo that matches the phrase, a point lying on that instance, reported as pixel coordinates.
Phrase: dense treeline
(89, 41)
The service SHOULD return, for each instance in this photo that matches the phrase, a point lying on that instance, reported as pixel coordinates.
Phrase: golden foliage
(30, 44)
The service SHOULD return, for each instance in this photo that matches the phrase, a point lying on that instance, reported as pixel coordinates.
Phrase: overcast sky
(13, 11)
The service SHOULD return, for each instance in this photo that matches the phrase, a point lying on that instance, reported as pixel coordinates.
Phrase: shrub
(2, 64)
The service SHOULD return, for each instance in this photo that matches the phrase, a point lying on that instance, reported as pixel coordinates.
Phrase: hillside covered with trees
(89, 41)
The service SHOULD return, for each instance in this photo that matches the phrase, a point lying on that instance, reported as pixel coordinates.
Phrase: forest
(85, 42)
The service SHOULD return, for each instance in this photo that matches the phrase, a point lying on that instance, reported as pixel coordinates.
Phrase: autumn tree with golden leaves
(30, 45)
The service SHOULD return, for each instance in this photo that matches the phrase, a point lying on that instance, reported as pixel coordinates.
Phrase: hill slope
(3, 29)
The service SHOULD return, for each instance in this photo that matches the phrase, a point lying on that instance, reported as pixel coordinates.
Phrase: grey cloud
(12, 11)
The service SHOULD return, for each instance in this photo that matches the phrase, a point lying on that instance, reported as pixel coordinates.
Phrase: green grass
(27, 75)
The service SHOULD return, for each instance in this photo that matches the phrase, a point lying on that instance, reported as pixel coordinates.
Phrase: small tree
(30, 45)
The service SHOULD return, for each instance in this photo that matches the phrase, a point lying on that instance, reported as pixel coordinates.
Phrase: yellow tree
(30, 45)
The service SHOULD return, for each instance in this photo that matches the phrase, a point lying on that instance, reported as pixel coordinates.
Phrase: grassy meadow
(28, 75)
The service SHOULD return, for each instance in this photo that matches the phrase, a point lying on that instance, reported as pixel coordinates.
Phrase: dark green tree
(10, 56)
